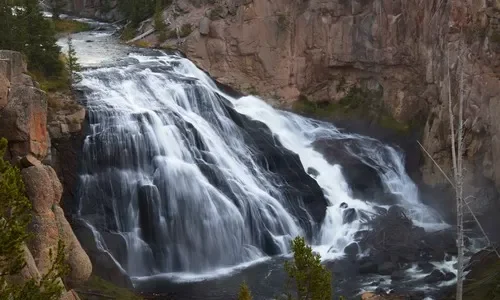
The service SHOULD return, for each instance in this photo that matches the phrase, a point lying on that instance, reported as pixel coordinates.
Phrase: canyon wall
(26, 113)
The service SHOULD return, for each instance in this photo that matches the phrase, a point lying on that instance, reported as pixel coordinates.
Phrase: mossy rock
(97, 288)
(483, 281)
(359, 103)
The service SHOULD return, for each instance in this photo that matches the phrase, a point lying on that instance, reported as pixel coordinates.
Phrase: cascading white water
(169, 169)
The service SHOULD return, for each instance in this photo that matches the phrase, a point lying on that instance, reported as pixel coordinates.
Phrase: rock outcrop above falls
(23, 121)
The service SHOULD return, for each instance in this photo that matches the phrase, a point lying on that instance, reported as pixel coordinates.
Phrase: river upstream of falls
(192, 191)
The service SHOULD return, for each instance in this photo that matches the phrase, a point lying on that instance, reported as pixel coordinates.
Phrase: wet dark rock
(395, 211)
(343, 205)
(449, 276)
(380, 210)
(416, 295)
(426, 267)
(313, 172)
(286, 164)
(380, 291)
(351, 250)
(360, 235)
(103, 263)
(368, 267)
(386, 268)
(398, 275)
(271, 248)
(349, 216)
(363, 179)
(149, 213)
(434, 277)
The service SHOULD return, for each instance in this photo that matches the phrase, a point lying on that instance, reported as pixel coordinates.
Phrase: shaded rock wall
(23, 121)
(96, 9)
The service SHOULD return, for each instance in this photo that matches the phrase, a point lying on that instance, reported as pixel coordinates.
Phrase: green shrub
(312, 281)
(108, 290)
(495, 37)
(186, 30)
(128, 32)
(70, 26)
(27, 31)
(216, 13)
(244, 293)
(283, 22)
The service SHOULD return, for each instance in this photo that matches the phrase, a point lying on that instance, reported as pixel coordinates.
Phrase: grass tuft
(70, 26)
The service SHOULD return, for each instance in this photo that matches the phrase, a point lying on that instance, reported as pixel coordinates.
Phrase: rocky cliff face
(96, 9)
(23, 121)
(411, 52)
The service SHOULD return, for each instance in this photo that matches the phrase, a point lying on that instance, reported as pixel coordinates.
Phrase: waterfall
(179, 177)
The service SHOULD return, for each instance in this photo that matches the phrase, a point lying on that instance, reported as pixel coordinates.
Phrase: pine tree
(244, 293)
(72, 61)
(311, 280)
(159, 23)
(15, 215)
(41, 49)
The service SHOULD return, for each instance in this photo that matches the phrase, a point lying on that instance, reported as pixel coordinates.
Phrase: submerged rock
(349, 216)
(313, 172)
(386, 268)
(434, 277)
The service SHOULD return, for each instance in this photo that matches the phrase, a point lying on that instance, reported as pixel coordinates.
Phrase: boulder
(368, 267)
(313, 172)
(426, 267)
(39, 188)
(398, 275)
(76, 258)
(349, 215)
(56, 184)
(29, 271)
(351, 250)
(449, 276)
(17, 63)
(434, 277)
(104, 265)
(23, 121)
(29, 161)
(204, 26)
(386, 268)
(44, 240)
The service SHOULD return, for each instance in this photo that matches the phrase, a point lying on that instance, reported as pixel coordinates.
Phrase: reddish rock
(40, 188)
(44, 240)
(24, 121)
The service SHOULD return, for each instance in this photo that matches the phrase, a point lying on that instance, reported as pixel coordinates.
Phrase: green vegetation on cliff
(70, 26)
(357, 103)
(24, 29)
(15, 215)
